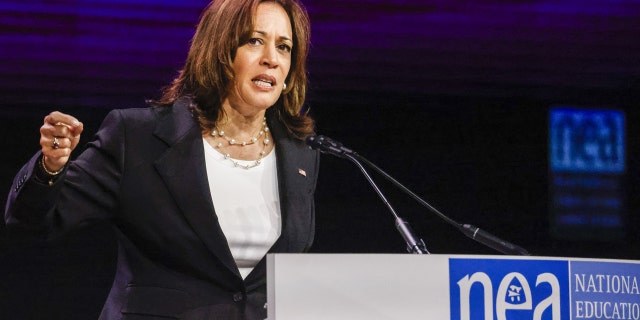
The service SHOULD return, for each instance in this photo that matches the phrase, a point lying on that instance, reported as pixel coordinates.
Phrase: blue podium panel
(509, 289)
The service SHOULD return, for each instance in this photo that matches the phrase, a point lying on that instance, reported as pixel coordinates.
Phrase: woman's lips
(264, 81)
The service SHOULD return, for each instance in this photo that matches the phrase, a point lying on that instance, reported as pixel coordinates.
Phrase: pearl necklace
(233, 142)
(220, 133)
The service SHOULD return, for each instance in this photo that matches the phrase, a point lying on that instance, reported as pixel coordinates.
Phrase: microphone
(491, 241)
(330, 146)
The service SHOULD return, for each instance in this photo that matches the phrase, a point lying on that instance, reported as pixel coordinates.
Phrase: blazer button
(237, 297)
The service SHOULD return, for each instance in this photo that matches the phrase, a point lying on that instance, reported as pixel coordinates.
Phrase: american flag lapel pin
(302, 172)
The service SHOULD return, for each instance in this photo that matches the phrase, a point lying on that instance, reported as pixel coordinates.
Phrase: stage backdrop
(453, 98)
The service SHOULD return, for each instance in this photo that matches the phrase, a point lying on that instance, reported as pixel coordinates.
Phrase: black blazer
(145, 171)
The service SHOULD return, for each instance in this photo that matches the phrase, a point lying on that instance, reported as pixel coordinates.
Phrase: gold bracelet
(44, 167)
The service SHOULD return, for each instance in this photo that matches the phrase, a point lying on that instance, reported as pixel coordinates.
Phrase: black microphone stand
(327, 145)
(469, 230)
(413, 244)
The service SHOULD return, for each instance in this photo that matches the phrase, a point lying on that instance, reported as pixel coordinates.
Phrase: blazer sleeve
(87, 190)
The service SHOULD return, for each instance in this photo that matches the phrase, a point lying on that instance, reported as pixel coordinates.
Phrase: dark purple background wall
(450, 97)
(106, 53)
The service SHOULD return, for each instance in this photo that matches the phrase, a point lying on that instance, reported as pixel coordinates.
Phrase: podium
(456, 287)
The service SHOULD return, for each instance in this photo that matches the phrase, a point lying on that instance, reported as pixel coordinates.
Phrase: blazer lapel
(183, 170)
(296, 182)
(295, 189)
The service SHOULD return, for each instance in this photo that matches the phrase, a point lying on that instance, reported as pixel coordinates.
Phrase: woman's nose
(269, 57)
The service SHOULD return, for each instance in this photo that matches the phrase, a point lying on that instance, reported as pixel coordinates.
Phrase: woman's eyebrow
(264, 33)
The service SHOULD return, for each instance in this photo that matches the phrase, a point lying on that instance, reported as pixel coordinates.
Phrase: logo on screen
(586, 140)
(508, 289)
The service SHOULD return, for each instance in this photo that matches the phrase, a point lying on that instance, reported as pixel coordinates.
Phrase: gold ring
(56, 143)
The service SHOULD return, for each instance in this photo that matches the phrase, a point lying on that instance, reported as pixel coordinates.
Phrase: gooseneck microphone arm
(327, 145)
(470, 231)
(413, 244)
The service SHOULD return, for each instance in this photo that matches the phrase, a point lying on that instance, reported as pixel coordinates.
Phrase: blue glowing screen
(587, 141)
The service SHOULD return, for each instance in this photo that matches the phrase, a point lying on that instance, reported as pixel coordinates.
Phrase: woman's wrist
(43, 166)
(45, 174)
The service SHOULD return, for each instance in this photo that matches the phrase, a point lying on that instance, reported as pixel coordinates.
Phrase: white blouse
(247, 204)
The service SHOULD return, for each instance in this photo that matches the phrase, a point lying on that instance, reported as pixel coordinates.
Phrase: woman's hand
(59, 135)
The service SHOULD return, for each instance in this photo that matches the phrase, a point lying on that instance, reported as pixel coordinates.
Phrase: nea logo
(587, 140)
(488, 289)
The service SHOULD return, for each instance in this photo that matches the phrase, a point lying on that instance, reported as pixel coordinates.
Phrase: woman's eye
(284, 47)
(254, 41)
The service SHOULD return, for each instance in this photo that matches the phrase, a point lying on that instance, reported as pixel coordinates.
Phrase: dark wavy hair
(224, 26)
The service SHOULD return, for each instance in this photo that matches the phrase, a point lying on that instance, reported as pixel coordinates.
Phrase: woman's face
(261, 65)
